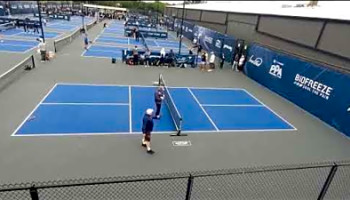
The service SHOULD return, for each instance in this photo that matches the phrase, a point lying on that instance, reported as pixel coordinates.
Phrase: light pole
(182, 22)
(41, 24)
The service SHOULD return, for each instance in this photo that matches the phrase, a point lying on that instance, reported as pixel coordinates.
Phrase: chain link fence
(306, 181)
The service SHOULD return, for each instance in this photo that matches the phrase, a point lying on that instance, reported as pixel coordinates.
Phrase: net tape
(175, 114)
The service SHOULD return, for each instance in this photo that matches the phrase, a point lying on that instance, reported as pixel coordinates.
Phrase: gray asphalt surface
(24, 159)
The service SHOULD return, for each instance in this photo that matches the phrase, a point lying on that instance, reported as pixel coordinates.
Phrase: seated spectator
(171, 57)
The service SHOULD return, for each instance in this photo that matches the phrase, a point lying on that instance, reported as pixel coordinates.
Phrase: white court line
(233, 105)
(130, 118)
(36, 107)
(89, 104)
(195, 98)
(31, 49)
(155, 132)
(270, 109)
(93, 50)
(121, 85)
(156, 43)
(99, 57)
(84, 53)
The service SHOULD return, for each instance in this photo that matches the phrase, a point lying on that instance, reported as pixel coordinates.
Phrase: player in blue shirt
(147, 128)
(158, 98)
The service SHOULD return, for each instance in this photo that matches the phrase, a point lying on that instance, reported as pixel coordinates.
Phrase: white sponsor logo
(218, 43)
(313, 86)
(227, 47)
(190, 30)
(208, 39)
(276, 69)
(255, 61)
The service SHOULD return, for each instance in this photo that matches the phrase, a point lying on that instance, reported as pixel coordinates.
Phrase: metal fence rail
(305, 181)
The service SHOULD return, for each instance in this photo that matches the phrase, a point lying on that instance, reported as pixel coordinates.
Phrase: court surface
(17, 46)
(45, 158)
(21, 33)
(106, 109)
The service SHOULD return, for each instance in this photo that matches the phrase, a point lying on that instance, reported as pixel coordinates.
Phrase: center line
(195, 98)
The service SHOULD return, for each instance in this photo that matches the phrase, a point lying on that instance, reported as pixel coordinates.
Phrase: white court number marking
(182, 143)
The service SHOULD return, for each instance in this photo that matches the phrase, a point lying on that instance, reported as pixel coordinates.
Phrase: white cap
(149, 111)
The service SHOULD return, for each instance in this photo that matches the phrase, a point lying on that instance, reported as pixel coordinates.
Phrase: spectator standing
(147, 58)
(212, 60)
(171, 57)
(42, 48)
(162, 56)
(222, 61)
(135, 54)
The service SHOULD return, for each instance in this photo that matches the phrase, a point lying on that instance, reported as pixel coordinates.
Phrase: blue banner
(214, 41)
(188, 30)
(320, 91)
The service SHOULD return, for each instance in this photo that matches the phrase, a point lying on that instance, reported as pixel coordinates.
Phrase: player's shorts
(147, 137)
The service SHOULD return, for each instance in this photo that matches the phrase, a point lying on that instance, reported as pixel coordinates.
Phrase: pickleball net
(15, 72)
(6, 26)
(174, 112)
(144, 41)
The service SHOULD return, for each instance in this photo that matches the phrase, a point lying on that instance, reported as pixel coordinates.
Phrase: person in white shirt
(42, 48)
(162, 56)
(212, 60)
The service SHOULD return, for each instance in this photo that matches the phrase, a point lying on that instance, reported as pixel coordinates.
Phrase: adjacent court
(111, 42)
(78, 109)
(17, 46)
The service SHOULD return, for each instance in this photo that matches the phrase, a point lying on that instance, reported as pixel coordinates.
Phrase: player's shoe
(150, 151)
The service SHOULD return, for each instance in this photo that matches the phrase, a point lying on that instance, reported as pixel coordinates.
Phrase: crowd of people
(148, 59)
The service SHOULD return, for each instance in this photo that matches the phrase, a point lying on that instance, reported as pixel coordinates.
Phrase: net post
(34, 193)
(54, 44)
(33, 61)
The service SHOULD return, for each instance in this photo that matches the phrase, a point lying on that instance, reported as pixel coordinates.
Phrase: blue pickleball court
(17, 46)
(80, 109)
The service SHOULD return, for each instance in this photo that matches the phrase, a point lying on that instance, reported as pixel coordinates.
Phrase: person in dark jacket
(147, 128)
(158, 98)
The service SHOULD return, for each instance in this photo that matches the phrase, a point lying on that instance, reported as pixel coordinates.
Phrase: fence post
(34, 193)
(33, 60)
(328, 182)
(189, 187)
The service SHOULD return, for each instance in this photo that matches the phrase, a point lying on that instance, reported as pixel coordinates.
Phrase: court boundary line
(99, 57)
(104, 51)
(88, 104)
(271, 110)
(121, 85)
(35, 108)
(205, 112)
(155, 132)
(130, 111)
(233, 105)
